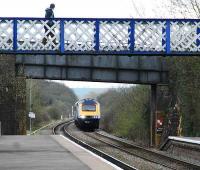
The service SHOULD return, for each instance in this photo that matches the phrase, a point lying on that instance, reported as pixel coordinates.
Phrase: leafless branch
(186, 8)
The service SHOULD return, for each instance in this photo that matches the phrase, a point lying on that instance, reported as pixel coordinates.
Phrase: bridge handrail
(100, 36)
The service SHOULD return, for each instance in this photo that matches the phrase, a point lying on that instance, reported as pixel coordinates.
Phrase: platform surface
(193, 140)
(47, 153)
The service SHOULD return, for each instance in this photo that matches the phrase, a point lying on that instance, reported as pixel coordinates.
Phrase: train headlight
(82, 116)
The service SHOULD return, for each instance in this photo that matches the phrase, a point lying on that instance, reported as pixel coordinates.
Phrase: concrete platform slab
(193, 140)
(184, 148)
(46, 153)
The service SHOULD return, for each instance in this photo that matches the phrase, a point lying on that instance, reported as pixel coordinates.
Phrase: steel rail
(59, 126)
(96, 151)
(129, 152)
(144, 153)
(140, 152)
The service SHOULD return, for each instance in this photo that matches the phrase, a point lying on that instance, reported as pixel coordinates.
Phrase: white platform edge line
(113, 165)
(184, 140)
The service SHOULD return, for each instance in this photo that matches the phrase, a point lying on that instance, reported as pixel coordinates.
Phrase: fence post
(62, 36)
(168, 50)
(132, 36)
(14, 34)
(97, 44)
(153, 115)
(0, 128)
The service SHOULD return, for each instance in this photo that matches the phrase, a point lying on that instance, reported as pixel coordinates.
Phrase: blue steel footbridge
(100, 36)
(93, 49)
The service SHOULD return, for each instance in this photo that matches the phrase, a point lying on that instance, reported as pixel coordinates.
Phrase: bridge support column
(153, 115)
(20, 109)
(12, 98)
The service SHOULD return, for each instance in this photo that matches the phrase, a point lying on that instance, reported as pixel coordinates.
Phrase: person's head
(52, 6)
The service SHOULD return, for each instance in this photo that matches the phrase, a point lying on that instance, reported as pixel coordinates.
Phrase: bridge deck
(99, 68)
(100, 36)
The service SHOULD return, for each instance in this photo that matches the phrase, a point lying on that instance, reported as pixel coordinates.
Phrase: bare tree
(187, 8)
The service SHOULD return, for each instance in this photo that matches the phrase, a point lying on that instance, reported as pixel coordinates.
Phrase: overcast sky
(89, 9)
(84, 8)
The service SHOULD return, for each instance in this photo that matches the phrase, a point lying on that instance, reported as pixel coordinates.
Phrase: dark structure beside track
(12, 98)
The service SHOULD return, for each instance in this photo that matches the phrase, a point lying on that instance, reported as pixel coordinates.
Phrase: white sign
(31, 115)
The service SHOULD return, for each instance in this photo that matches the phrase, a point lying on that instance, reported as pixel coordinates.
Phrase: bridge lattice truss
(100, 36)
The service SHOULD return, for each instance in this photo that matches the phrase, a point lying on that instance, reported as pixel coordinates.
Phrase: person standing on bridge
(49, 30)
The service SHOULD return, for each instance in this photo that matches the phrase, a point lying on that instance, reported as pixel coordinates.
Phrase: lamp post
(31, 114)
(30, 104)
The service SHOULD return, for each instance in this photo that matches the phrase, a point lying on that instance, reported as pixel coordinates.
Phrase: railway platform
(185, 148)
(46, 152)
(191, 140)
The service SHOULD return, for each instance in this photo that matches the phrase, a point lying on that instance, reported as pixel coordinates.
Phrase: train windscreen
(88, 107)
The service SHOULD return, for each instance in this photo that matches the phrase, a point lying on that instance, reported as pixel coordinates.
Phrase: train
(87, 114)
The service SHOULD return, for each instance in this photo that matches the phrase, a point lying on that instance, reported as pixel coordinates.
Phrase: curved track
(62, 129)
(146, 154)
(59, 128)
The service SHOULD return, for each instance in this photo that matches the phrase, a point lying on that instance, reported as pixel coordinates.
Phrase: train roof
(87, 101)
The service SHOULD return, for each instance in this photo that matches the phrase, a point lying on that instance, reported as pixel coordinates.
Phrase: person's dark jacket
(49, 14)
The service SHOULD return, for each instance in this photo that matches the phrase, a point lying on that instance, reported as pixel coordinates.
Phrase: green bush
(50, 100)
(185, 83)
(125, 112)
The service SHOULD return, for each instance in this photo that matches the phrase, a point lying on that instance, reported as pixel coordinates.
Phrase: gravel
(134, 161)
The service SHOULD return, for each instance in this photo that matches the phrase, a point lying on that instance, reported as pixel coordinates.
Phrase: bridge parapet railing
(100, 36)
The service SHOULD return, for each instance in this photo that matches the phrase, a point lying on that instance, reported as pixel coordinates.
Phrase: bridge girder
(95, 68)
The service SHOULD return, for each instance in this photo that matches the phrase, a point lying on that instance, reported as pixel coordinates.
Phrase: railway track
(148, 155)
(61, 129)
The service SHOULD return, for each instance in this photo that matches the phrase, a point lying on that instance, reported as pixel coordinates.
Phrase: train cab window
(89, 108)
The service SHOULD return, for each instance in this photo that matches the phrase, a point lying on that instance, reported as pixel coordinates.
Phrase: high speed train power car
(87, 114)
